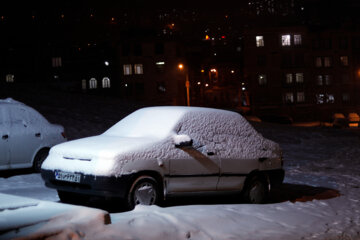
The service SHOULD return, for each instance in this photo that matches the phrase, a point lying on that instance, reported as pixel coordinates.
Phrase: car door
(197, 171)
(4, 139)
(23, 138)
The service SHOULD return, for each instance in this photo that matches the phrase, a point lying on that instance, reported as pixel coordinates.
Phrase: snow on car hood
(95, 155)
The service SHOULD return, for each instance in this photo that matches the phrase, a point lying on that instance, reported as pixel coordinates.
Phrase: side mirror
(182, 141)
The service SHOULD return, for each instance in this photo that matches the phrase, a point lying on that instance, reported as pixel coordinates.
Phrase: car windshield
(156, 122)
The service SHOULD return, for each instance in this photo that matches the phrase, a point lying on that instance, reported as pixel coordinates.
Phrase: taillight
(63, 134)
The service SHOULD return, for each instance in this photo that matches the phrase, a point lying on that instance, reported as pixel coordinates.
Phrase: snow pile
(33, 219)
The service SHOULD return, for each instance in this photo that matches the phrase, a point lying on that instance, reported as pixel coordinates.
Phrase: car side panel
(233, 173)
(196, 172)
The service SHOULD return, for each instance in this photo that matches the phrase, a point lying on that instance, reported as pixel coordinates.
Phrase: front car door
(197, 171)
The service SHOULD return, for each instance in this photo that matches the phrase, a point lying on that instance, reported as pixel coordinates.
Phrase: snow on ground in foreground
(320, 163)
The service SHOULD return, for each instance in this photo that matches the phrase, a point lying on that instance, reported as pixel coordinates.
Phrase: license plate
(68, 177)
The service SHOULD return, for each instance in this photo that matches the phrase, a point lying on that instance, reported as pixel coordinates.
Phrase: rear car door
(4, 139)
(24, 139)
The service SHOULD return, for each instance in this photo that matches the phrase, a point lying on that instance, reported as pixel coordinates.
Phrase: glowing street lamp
(187, 84)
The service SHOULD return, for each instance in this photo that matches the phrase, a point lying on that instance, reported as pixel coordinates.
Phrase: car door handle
(5, 136)
(210, 153)
(37, 134)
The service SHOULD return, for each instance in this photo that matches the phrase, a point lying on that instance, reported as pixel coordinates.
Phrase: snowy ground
(319, 200)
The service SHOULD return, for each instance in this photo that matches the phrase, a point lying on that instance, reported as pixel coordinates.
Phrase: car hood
(100, 147)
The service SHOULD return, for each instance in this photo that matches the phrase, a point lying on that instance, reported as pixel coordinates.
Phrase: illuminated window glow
(10, 78)
(300, 97)
(106, 82)
(138, 69)
(299, 77)
(286, 40)
(344, 60)
(127, 69)
(56, 62)
(297, 39)
(289, 97)
(92, 83)
(262, 79)
(260, 41)
(160, 63)
(289, 78)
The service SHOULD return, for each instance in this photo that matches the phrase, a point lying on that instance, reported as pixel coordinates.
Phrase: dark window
(139, 88)
(343, 43)
(126, 49)
(261, 60)
(137, 50)
(159, 48)
(286, 60)
(299, 60)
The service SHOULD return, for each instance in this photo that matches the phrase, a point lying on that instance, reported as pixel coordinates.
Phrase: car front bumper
(103, 186)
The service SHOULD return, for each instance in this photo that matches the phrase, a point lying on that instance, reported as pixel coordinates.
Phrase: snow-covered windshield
(156, 122)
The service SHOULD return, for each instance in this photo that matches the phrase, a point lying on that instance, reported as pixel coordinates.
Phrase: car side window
(19, 116)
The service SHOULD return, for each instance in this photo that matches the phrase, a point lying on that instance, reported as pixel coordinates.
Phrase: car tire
(39, 159)
(70, 197)
(256, 190)
(143, 191)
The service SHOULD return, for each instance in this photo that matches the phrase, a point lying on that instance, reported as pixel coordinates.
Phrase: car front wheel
(144, 191)
(256, 190)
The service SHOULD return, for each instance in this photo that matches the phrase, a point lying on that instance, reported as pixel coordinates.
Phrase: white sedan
(25, 136)
(158, 152)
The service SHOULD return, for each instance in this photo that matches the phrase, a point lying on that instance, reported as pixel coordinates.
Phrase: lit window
(330, 98)
(83, 84)
(138, 69)
(260, 41)
(92, 83)
(286, 40)
(327, 62)
(300, 97)
(160, 63)
(56, 62)
(320, 98)
(319, 80)
(10, 78)
(297, 39)
(289, 97)
(262, 79)
(299, 77)
(289, 79)
(344, 60)
(127, 69)
(106, 82)
(318, 62)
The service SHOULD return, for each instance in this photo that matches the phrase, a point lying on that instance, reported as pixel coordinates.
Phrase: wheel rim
(145, 194)
(257, 192)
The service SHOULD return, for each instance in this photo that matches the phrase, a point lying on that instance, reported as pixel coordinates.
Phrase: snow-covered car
(158, 152)
(26, 136)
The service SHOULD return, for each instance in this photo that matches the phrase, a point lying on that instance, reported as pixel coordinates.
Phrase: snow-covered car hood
(93, 155)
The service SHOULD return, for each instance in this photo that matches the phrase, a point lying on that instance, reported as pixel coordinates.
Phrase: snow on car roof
(155, 121)
(10, 101)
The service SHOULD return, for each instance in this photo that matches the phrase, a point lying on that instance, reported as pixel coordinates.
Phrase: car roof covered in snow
(10, 101)
(159, 121)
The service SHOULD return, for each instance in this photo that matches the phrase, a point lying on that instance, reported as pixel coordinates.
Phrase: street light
(187, 83)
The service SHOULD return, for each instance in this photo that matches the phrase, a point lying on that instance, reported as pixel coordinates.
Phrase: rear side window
(18, 115)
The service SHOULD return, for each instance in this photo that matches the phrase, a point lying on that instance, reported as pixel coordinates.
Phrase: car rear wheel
(256, 190)
(39, 159)
(144, 191)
